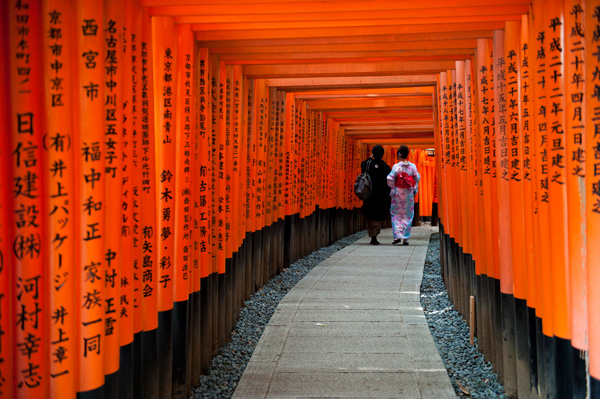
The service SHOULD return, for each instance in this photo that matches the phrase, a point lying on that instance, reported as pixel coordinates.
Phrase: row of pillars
(146, 190)
(518, 146)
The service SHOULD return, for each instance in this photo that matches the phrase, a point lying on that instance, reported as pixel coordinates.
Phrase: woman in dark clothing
(376, 208)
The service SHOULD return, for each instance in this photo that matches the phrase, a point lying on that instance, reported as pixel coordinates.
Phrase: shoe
(397, 241)
(405, 242)
(374, 241)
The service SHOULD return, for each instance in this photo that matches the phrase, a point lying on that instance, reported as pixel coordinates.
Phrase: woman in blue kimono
(404, 181)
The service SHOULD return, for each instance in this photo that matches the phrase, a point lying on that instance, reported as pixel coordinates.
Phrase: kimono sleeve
(417, 177)
(391, 178)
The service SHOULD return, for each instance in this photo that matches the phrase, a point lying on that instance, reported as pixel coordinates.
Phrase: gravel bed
(465, 364)
(228, 365)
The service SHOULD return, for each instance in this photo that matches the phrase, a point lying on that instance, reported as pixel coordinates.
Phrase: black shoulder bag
(363, 186)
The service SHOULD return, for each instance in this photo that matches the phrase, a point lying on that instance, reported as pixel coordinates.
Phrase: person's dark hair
(377, 152)
(403, 151)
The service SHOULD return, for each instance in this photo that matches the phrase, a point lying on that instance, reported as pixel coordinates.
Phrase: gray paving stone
(255, 381)
(329, 262)
(351, 315)
(410, 296)
(423, 353)
(371, 285)
(407, 309)
(271, 344)
(347, 329)
(310, 362)
(350, 303)
(294, 296)
(384, 258)
(366, 278)
(414, 319)
(435, 384)
(419, 332)
(426, 365)
(346, 250)
(309, 279)
(351, 294)
(352, 344)
(344, 385)
(306, 285)
(339, 275)
(282, 317)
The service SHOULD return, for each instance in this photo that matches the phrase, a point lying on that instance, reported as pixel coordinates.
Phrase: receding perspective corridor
(162, 160)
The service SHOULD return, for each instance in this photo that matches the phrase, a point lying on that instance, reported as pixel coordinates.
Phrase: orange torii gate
(160, 162)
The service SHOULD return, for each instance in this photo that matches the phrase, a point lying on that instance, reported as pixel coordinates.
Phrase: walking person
(404, 182)
(376, 208)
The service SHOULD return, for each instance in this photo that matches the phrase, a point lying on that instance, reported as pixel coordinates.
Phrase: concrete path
(352, 328)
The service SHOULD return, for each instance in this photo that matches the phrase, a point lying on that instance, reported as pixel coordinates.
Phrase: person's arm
(391, 178)
(417, 178)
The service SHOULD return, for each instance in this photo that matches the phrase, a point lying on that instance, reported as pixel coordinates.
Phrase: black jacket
(377, 206)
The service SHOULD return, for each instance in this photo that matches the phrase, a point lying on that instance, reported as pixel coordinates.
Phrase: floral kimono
(403, 199)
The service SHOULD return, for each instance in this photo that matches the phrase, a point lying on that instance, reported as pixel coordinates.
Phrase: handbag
(404, 180)
(363, 186)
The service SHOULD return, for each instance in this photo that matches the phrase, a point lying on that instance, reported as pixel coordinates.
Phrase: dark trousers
(374, 226)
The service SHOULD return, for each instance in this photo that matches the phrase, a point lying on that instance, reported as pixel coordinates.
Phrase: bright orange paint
(471, 165)
(183, 196)
(511, 143)
(205, 170)
(90, 202)
(485, 97)
(60, 154)
(556, 122)
(513, 62)
(6, 231)
(592, 232)
(528, 165)
(125, 300)
(149, 262)
(113, 128)
(462, 164)
(575, 137)
(166, 63)
(237, 137)
(543, 267)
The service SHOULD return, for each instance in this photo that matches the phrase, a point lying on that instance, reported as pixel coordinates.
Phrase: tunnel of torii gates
(161, 160)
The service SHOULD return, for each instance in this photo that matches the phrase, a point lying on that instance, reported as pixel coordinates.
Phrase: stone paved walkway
(352, 328)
